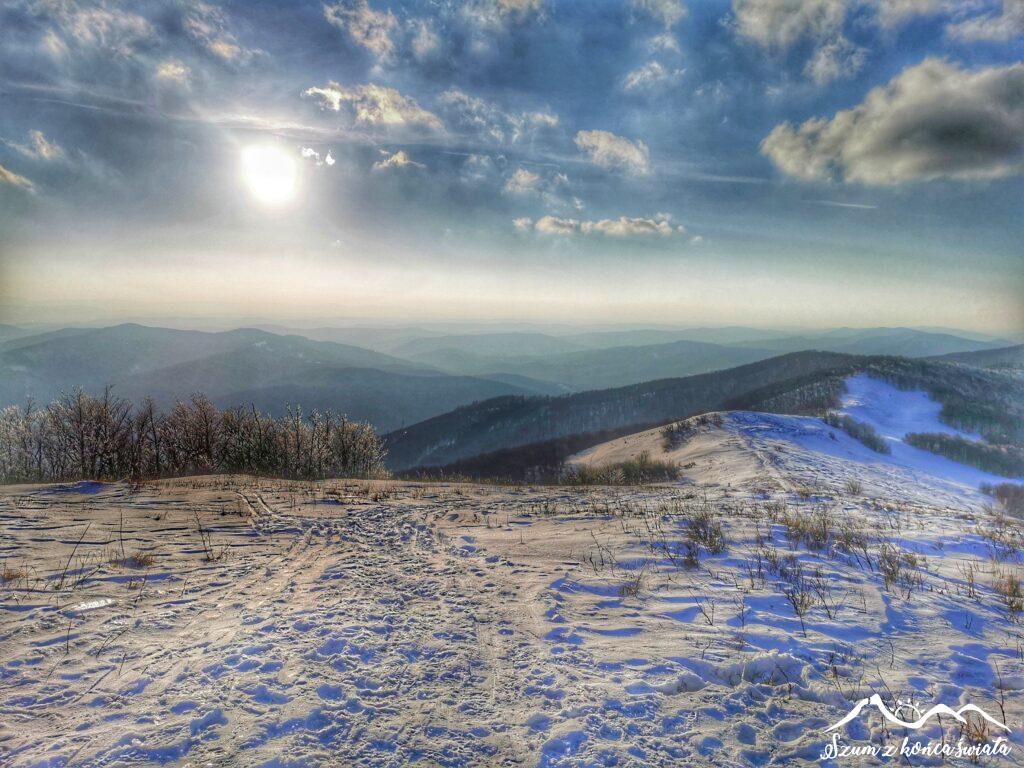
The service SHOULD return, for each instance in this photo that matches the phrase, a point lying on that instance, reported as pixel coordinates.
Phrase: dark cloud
(935, 120)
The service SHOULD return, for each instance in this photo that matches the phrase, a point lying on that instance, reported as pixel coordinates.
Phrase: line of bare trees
(80, 436)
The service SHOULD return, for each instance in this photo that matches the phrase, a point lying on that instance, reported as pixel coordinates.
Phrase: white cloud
(478, 169)
(208, 27)
(661, 225)
(172, 70)
(668, 12)
(397, 160)
(610, 151)
(522, 182)
(666, 41)
(39, 147)
(651, 77)
(311, 154)
(13, 179)
(934, 120)
(497, 14)
(114, 31)
(473, 115)
(553, 225)
(425, 42)
(837, 59)
(893, 13)
(373, 30)
(781, 23)
(1005, 25)
(375, 105)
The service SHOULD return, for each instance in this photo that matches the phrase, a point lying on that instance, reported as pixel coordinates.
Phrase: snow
(893, 412)
(364, 623)
(749, 443)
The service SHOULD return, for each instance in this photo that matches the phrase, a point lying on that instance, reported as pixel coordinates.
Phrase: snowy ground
(388, 624)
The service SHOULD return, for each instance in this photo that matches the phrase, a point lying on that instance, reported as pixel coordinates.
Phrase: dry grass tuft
(1007, 586)
(10, 573)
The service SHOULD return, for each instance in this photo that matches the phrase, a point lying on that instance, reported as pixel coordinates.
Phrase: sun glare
(270, 174)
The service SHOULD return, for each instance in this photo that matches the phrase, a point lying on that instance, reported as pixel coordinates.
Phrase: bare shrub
(899, 569)
(812, 529)
(1007, 586)
(1004, 536)
(858, 430)
(9, 574)
(1009, 495)
(632, 586)
(139, 559)
(703, 529)
(640, 471)
(799, 595)
(104, 438)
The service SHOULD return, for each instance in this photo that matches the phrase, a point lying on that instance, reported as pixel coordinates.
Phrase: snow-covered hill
(732, 619)
(740, 448)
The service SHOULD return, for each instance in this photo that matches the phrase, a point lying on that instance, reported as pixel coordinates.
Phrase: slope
(511, 421)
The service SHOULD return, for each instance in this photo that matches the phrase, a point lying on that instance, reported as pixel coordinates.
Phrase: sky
(762, 162)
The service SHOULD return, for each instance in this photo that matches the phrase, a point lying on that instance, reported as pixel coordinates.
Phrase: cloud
(666, 41)
(934, 120)
(668, 12)
(173, 70)
(475, 116)
(478, 169)
(115, 32)
(781, 23)
(837, 59)
(498, 14)
(375, 105)
(425, 40)
(522, 182)
(13, 179)
(893, 13)
(610, 151)
(373, 30)
(208, 27)
(311, 154)
(40, 148)
(661, 225)
(652, 77)
(1000, 27)
(397, 160)
(553, 225)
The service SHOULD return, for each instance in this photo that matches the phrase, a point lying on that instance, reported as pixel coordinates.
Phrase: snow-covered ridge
(746, 446)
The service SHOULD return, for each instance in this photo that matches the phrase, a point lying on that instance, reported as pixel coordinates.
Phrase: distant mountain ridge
(479, 437)
(900, 342)
(507, 422)
(1003, 357)
(414, 373)
(579, 362)
(236, 367)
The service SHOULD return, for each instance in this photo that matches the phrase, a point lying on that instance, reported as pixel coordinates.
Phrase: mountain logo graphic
(939, 709)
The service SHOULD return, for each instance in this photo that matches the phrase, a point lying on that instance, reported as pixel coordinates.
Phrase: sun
(270, 174)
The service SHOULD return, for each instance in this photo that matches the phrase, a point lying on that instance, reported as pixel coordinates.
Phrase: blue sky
(773, 162)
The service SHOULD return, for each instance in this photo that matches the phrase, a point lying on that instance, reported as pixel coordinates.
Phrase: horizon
(475, 327)
(642, 162)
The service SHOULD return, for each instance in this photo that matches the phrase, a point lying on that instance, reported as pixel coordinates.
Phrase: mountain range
(444, 395)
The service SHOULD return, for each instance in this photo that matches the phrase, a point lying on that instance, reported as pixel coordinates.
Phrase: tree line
(85, 437)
